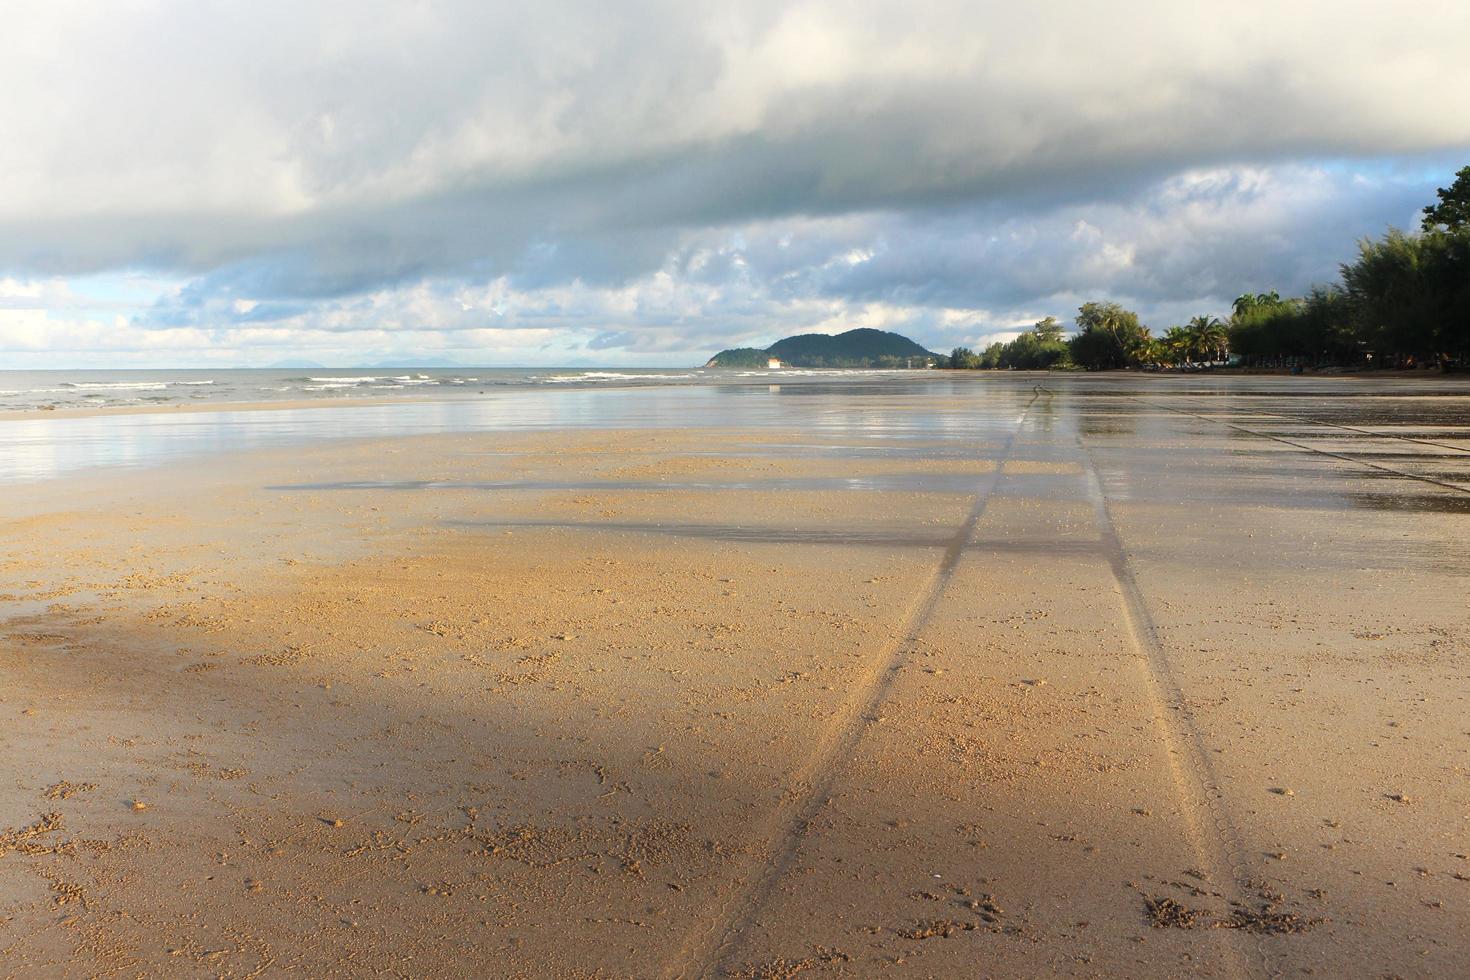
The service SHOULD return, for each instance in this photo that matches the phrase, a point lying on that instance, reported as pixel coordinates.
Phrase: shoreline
(936, 375)
(181, 408)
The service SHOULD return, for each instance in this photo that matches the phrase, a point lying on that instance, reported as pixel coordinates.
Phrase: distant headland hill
(861, 348)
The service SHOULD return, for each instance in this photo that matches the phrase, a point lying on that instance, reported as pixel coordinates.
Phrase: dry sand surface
(1099, 687)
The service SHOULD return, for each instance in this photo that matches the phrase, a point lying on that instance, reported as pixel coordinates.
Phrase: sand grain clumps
(1166, 913)
(786, 969)
(25, 840)
(65, 790)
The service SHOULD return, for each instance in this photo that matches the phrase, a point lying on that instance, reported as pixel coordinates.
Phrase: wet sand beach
(998, 676)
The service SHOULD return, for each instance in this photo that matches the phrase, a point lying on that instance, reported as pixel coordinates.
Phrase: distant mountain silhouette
(861, 348)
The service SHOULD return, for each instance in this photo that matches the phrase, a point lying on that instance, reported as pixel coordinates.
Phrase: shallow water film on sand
(910, 676)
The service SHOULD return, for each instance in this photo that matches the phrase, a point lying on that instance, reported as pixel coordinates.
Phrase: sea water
(1391, 423)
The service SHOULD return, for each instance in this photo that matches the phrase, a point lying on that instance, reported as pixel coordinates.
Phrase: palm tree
(1250, 302)
(1178, 344)
(1208, 338)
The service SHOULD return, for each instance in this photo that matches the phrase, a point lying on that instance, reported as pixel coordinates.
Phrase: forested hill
(862, 348)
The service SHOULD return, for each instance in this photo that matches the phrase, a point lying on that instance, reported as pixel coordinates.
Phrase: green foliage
(739, 357)
(1405, 296)
(1049, 330)
(1411, 293)
(1251, 303)
(862, 348)
(1176, 346)
(1452, 213)
(962, 358)
(1109, 337)
(1026, 353)
(1203, 339)
(1317, 326)
(1208, 339)
(1039, 349)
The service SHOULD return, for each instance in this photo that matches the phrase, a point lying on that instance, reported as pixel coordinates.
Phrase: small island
(861, 348)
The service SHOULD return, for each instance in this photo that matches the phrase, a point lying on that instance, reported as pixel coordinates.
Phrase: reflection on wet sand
(894, 680)
(933, 407)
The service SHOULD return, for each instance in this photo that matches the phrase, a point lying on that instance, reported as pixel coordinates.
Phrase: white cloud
(1186, 245)
(674, 175)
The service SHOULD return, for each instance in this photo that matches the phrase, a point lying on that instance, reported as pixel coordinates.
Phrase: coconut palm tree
(1208, 338)
(1251, 302)
(1178, 344)
(1153, 352)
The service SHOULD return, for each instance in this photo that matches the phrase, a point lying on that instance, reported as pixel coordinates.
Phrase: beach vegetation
(1108, 336)
(1041, 348)
(962, 358)
(1452, 211)
(1403, 301)
(860, 348)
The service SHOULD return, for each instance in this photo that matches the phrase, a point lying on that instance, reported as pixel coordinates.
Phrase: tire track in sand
(710, 945)
(1355, 460)
(1214, 838)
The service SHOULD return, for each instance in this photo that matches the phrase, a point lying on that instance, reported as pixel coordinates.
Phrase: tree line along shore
(1403, 302)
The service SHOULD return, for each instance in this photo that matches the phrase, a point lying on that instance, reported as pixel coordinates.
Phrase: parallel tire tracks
(1215, 840)
(1460, 488)
(1357, 428)
(711, 945)
(1193, 771)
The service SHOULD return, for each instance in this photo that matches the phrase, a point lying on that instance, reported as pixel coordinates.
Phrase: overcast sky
(199, 183)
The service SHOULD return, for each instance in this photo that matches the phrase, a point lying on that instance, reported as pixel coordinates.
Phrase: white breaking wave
(607, 376)
(117, 386)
